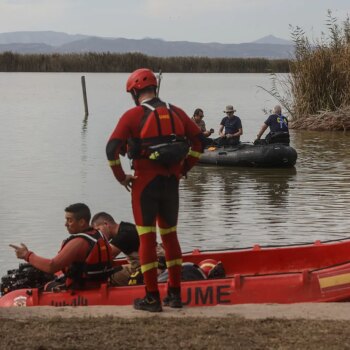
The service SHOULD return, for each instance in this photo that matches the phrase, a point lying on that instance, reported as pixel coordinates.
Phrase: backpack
(162, 136)
(189, 272)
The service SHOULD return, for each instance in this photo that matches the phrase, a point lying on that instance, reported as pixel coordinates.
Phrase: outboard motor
(26, 276)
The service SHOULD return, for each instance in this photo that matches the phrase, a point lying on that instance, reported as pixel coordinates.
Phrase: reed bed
(325, 120)
(319, 80)
(110, 62)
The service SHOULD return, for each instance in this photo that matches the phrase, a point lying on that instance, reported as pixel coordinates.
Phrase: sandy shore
(308, 326)
(307, 311)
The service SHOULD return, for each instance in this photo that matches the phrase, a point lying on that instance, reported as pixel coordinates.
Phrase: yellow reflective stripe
(332, 281)
(165, 231)
(174, 262)
(141, 230)
(114, 162)
(194, 154)
(154, 155)
(150, 266)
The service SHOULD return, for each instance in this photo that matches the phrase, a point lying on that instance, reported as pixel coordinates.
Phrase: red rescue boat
(315, 272)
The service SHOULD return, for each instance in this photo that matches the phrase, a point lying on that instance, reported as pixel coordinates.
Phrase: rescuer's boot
(173, 299)
(151, 302)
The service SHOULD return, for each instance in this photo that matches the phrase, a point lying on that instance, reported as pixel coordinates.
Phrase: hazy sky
(225, 21)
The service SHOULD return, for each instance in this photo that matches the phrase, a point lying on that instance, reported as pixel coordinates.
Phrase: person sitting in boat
(136, 278)
(230, 128)
(85, 257)
(123, 238)
(198, 116)
(279, 132)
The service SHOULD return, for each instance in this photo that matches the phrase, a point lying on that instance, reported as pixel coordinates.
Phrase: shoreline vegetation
(317, 90)
(119, 63)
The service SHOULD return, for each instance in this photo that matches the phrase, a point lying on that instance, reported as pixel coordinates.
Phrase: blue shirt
(231, 125)
(277, 123)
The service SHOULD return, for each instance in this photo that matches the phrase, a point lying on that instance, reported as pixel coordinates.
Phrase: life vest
(98, 262)
(162, 136)
(283, 122)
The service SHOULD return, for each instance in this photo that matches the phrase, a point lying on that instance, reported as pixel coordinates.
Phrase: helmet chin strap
(135, 97)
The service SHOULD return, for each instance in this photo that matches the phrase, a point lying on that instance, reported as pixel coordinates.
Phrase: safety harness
(162, 136)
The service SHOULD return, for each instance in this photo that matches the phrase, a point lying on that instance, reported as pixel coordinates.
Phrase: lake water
(52, 157)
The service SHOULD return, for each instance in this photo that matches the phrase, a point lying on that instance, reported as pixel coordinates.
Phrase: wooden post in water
(85, 96)
(159, 80)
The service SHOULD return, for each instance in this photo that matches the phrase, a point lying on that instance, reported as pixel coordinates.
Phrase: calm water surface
(52, 157)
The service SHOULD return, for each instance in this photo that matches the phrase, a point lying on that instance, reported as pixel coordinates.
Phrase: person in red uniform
(157, 136)
(85, 252)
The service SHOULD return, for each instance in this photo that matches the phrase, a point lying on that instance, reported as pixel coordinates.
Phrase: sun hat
(229, 108)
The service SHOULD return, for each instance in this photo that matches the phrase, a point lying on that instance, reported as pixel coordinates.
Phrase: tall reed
(318, 85)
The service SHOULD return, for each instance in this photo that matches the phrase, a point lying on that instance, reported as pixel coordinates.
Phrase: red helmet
(207, 265)
(141, 78)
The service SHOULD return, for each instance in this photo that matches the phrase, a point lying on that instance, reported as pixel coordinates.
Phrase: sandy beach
(292, 326)
(307, 311)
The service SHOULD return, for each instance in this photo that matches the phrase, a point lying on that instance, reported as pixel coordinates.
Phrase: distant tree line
(111, 62)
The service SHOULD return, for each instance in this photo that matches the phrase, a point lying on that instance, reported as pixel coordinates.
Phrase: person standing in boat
(198, 116)
(230, 128)
(279, 131)
(157, 136)
(85, 257)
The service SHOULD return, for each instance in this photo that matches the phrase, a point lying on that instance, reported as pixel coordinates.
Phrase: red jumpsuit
(155, 193)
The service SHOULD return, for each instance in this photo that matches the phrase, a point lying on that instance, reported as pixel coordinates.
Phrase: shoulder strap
(89, 238)
(171, 117)
(151, 107)
(84, 235)
(156, 114)
(148, 106)
(148, 109)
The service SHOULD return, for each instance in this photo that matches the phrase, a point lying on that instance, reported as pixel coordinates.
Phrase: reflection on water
(51, 157)
(323, 150)
(84, 146)
(233, 206)
(228, 207)
(84, 126)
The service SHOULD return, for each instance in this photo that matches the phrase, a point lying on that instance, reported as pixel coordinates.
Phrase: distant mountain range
(57, 42)
(270, 39)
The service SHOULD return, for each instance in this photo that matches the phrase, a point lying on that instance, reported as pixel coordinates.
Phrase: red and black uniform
(155, 195)
(85, 258)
